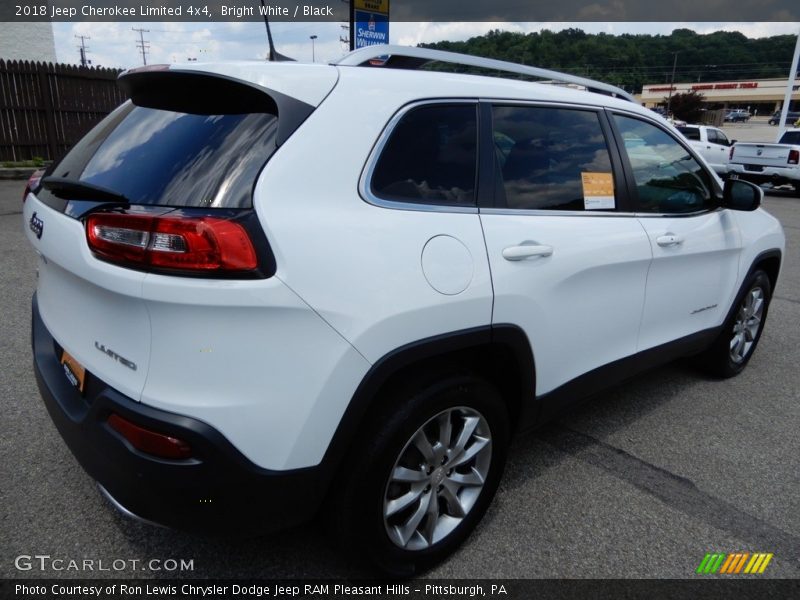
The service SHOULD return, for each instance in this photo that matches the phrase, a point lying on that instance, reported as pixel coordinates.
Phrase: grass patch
(36, 161)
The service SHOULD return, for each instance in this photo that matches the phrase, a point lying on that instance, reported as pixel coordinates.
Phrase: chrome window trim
(539, 212)
(590, 213)
(364, 188)
(369, 167)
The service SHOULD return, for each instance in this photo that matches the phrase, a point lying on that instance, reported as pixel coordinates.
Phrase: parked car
(791, 117)
(256, 303)
(711, 143)
(777, 164)
(737, 116)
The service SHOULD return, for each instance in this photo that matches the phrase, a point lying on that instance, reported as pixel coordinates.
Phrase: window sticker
(598, 190)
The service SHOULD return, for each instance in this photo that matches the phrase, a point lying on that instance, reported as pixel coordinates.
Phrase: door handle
(524, 251)
(669, 239)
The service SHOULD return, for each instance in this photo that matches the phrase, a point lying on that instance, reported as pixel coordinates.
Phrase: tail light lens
(33, 183)
(195, 244)
(150, 442)
(794, 157)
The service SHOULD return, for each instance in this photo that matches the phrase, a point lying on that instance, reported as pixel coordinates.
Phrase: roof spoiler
(196, 92)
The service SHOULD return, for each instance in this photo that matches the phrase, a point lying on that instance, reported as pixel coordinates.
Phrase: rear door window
(551, 159)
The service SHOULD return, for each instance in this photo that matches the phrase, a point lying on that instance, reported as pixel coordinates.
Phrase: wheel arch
(499, 353)
(769, 262)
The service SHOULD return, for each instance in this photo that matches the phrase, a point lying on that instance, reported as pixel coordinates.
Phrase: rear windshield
(690, 133)
(791, 137)
(163, 157)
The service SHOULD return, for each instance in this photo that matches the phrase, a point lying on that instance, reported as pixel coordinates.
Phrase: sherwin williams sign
(371, 22)
(371, 29)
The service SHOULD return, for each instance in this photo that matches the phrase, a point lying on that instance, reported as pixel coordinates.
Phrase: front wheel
(423, 475)
(735, 346)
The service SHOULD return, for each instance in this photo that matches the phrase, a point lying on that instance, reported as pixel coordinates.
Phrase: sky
(115, 44)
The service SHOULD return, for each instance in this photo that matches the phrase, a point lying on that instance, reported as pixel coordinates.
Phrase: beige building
(762, 95)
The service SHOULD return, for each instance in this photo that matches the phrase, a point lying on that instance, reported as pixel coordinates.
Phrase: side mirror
(741, 195)
(732, 142)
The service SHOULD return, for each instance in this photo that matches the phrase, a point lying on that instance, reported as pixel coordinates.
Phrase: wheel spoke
(445, 429)
(470, 423)
(408, 475)
(454, 506)
(748, 302)
(472, 478)
(467, 455)
(734, 342)
(424, 446)
(407, 529)
(404, 501)
(433, 518)
(758, 306)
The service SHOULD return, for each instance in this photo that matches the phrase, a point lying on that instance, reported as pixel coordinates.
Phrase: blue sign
(371, 29)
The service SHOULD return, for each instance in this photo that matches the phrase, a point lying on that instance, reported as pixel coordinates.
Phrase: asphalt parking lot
(641, 482)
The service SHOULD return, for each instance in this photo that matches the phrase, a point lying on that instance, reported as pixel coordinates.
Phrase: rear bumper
(217, 491)
(775, 175)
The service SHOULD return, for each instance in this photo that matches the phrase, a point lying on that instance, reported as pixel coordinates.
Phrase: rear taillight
(200, 244)
(794, 157)
(33, 183)
(148, 441)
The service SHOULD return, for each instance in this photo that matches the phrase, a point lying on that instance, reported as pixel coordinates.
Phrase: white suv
(267, 289)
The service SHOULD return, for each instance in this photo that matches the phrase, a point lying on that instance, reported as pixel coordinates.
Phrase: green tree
(687, 106)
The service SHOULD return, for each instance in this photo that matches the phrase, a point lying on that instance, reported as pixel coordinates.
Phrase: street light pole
(313, 56)
(672, 83)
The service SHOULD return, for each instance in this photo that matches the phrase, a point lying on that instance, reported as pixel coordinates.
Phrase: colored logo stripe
(732, 564)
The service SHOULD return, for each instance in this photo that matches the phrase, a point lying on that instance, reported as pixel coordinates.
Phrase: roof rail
(405, 57)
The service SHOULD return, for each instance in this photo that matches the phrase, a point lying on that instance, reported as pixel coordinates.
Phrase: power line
(83, 49)
(142, 45)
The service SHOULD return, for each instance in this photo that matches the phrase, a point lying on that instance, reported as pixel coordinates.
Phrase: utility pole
(346, 40)
(83, 49)
(142, 44)
(313, 55)
(672, 83)
(787, 98)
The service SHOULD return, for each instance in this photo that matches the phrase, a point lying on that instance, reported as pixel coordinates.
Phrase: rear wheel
(735, 346)
(423, 475)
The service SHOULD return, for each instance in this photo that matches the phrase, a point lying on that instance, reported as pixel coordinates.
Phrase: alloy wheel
(747, 325)
(437, 478)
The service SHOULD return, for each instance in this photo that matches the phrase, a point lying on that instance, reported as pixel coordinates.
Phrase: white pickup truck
(777, 164)
(711, 143)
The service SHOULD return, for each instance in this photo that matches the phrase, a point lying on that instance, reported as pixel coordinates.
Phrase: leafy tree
(631, 61)
(687, 106)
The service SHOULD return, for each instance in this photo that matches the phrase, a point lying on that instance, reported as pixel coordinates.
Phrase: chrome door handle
(669, 239)
(524, 251)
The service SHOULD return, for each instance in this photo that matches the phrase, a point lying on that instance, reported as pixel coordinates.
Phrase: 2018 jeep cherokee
(267, 289)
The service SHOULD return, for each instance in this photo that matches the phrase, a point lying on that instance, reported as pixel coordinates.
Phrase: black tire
(719, 359)
(363, 491)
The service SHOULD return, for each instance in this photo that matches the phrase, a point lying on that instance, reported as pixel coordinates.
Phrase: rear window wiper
(71, 189)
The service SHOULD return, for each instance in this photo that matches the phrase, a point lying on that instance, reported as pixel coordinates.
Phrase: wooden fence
(46, 108)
